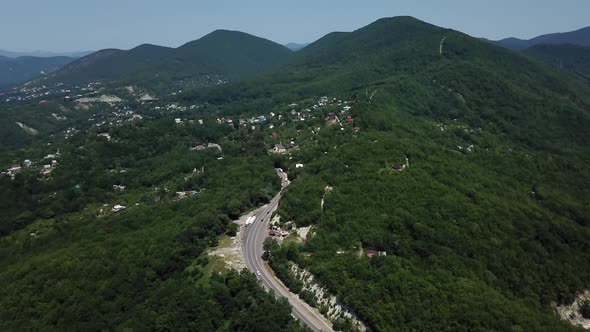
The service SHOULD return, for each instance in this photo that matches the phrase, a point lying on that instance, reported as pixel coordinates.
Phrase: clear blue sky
(77, 25)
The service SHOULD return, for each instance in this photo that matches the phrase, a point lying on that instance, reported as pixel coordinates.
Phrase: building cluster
(41, 93)
(48, 165)
(117, 116)
(276, 231)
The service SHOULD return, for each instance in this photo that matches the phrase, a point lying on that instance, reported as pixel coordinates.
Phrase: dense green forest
(570, 58)
(474, 240)
(488, 226)
(466, 163)
(77, 265)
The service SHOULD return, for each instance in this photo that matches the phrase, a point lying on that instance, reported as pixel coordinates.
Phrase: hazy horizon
(68, 26)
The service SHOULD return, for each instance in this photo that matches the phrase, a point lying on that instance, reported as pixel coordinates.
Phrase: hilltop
(222, 53)
(110, 64)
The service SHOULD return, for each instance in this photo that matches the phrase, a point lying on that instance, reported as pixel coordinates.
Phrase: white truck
(250, 220)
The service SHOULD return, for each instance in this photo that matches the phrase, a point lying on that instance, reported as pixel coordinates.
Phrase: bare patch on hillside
(572, 312)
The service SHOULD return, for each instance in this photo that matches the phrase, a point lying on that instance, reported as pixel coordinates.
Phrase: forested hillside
(488, 225)
(22, 69)
(445, 181)
(569, 58)
(220, 55)
(75, 262)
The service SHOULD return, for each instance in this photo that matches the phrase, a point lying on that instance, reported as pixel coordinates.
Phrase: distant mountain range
(43, 54)
(579, 37)
(567, 51)
(230, 54)
(296, 46)
(24, 68)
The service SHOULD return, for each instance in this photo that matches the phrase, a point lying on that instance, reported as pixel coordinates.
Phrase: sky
(82, 25)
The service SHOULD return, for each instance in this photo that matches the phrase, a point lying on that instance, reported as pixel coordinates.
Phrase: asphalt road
(253, 237)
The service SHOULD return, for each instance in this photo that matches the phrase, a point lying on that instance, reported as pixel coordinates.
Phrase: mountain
(110, 64)
(485, 227)
(443, 180)
(296, 46)
(231, 54)
(579, 37)
(567, 57)
(43, 54)
(24, 68)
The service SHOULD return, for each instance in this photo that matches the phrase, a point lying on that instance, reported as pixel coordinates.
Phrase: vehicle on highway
(258, 273)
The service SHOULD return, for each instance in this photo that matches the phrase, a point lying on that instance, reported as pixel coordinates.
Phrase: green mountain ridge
(579, 37)
(480, 240)
(485, 228)
(231, 54)
(566, 57)
(24, 68)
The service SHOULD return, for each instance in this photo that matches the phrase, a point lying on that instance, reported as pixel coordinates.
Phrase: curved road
(253, 237)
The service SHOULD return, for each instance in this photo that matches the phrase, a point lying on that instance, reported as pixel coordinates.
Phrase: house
(262, 118)
(118, 187)
(349, 119)
(371, 253)
(280, 148)
(398, 166)
(118, 208)
(46, 169)
(13, 171)
(298, 165)
(105, 135)
(179, 195)
(332, 118)
(277, 232)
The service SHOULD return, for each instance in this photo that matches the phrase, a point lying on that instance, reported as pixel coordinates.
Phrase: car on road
(258, 273)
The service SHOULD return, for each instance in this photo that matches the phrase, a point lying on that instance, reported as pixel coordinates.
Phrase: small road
(253, 237)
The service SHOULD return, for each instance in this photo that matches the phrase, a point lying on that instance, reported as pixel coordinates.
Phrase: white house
(280, 148)
(118, 208)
